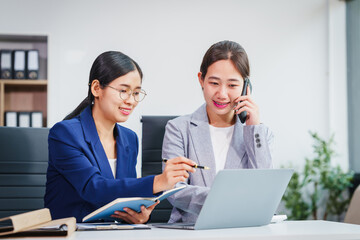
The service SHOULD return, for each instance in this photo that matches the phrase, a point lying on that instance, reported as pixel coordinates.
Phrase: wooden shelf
(23, 82)
(23, 38)
(24, 94)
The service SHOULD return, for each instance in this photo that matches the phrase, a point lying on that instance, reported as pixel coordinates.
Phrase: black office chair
(153, 129)
(23, 166)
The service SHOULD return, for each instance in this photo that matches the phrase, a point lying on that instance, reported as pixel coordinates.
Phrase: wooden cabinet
(25, 95)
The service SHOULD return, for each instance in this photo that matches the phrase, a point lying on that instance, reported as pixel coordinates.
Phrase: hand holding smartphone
(242, 115)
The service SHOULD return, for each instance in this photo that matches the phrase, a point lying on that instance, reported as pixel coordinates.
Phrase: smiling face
(222, 84)
(108, 104)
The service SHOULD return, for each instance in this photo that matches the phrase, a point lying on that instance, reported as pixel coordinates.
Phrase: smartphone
(242, 115)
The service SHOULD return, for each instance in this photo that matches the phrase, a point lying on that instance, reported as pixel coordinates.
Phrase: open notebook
(135, 203)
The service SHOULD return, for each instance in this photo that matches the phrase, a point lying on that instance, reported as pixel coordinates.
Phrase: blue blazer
(79, 177)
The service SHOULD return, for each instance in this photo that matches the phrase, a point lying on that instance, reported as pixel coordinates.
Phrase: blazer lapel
(122, 152)
(236, 150)
(92, 138)
(200, 136)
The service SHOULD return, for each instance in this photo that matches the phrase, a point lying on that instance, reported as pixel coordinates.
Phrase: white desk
(284, 230)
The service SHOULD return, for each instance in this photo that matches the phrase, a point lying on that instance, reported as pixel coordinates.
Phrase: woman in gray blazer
(213, 135)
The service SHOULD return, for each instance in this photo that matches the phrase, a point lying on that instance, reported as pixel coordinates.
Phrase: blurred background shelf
(25, 95)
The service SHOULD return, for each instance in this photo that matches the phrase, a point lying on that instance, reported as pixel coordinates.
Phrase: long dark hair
(225, 50)
(107, 67)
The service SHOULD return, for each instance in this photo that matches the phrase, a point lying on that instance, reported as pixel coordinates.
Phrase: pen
(195, 166)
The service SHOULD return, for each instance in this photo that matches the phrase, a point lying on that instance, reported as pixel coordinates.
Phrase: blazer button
(258, 145)
(256, 135)
(257, 140)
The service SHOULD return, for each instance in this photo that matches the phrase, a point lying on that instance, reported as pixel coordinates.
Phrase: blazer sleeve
(192, 198)
(68, 157)
(258, 141)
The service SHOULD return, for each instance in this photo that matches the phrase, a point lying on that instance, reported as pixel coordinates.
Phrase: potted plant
(320, 188)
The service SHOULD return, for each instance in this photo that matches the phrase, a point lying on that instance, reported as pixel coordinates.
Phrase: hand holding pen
(176, 170)
(194, 166)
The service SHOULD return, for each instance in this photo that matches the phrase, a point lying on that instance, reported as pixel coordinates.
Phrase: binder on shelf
(32, 64)
(36, 119)
(6, 64)
(19, 62)
(10, 119)
(24, 119)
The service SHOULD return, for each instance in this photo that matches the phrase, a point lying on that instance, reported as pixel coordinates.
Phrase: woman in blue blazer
(213, 135)
(92, 159)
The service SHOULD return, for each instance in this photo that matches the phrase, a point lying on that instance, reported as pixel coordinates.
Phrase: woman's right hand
(176, 170)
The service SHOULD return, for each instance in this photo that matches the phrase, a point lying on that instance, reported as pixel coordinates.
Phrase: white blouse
(112, 163)
(221, 139)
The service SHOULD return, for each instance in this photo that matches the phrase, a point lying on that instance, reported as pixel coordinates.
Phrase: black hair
(226, 50)
(107, 67)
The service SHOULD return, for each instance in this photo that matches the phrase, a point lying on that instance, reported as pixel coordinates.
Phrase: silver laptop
(240, 198)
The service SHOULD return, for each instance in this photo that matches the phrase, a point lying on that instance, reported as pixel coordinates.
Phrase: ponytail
(86, 102)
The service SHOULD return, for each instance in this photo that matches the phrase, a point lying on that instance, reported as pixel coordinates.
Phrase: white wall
(296, 51)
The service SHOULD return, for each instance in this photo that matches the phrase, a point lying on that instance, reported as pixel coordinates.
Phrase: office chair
(23, 166)
(353, 212)
(153, 129)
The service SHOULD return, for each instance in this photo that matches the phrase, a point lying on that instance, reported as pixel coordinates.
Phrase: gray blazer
(189, 136)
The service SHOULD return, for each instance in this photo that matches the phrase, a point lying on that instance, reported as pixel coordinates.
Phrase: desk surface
(284, 230)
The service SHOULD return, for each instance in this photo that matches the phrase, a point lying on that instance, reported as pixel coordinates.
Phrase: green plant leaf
(318, 181)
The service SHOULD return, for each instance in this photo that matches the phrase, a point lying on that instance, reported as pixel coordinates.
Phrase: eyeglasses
(125, 93)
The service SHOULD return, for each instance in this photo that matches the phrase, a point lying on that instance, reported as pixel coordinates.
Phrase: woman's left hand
(246, 103)
(132, 217)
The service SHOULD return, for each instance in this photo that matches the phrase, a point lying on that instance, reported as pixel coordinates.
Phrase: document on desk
(109, 226)
(278, 218)
(36, 223)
